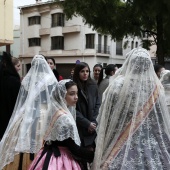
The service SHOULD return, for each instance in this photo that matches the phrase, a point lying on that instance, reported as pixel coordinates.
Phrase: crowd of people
(114, 119)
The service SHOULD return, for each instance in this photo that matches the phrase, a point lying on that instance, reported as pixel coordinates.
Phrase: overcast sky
(17, 3)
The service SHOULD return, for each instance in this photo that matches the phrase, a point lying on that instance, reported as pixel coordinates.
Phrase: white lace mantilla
(29, 120)
(64, 128)
(134, 121)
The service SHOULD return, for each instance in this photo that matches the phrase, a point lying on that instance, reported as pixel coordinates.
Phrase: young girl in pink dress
(62, 149)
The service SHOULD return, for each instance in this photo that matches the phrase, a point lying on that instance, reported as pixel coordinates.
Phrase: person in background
(87, 106)
(133, 131)
(24, 135)
(9, 88)
(165, 80)
(96, 71)
(110, 70)
(17, 64)
(60, 77)
(71, 74)
(158, 69)
(52, 65)
(62, 150)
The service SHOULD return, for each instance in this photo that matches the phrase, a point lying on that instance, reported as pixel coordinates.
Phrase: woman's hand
(92, 127)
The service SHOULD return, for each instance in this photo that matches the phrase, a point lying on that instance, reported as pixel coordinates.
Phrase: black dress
(52, 149)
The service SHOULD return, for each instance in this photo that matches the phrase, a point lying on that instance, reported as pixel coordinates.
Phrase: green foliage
(146, 43)
(120, 19)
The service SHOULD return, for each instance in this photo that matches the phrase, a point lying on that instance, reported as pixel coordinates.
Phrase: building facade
(45, 30)
(15, 47)
(6, 26)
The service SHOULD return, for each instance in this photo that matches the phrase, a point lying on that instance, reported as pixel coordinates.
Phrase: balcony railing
(119, 51)
(57, 47)
(104, 49)
(71, 29)
(44, 31)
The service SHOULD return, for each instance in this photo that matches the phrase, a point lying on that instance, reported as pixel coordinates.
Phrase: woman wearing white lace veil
(28, 122)
(165, 80)
(62, 149)
(134, 122)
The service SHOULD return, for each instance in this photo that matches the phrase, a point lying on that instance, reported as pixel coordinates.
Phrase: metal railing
(104, 49)
(119, 51)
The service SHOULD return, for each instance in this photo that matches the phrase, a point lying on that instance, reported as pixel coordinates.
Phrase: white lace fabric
(134, 122)
(165, 80)
(62, 125)
(28, 122)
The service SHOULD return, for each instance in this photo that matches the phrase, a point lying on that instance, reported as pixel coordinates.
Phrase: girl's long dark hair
(7, 67)
(157, 68)
(108, 69)
(76, 77)
(54, 70)
(70, 84)
(97, 65)
(7, 70)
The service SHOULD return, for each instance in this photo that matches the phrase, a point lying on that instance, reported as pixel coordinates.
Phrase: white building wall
(45, 43)
(72, 41)
(74, 32)
(74, 21)
(15, 47)
(28, 31)
(45, 20)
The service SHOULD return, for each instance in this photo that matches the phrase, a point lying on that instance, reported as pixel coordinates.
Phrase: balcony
(73, 52)
(43, 9)
(103, 49)
(44, 31)
(119, 51)
(71, 29)
(5, 42)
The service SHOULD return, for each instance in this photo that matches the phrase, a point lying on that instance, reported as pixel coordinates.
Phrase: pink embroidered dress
(61, 150)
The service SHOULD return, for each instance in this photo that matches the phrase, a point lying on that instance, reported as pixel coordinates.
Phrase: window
(34, 20)
(104, 65)
(99, 43)
(119, 50)
(105, 44)
(57, 43)
(57, 19)
(34, 42)
(132, 45)
(90, 41)
(136, 44)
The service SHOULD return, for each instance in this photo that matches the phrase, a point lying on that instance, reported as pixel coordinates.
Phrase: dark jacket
(103, 85)
(56, 74)
(10, 86)
(87, 111)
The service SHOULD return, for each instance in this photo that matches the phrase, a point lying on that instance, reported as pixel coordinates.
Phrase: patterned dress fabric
(134, 121)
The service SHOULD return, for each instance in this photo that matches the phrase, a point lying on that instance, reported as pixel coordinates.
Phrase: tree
(133, 17)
